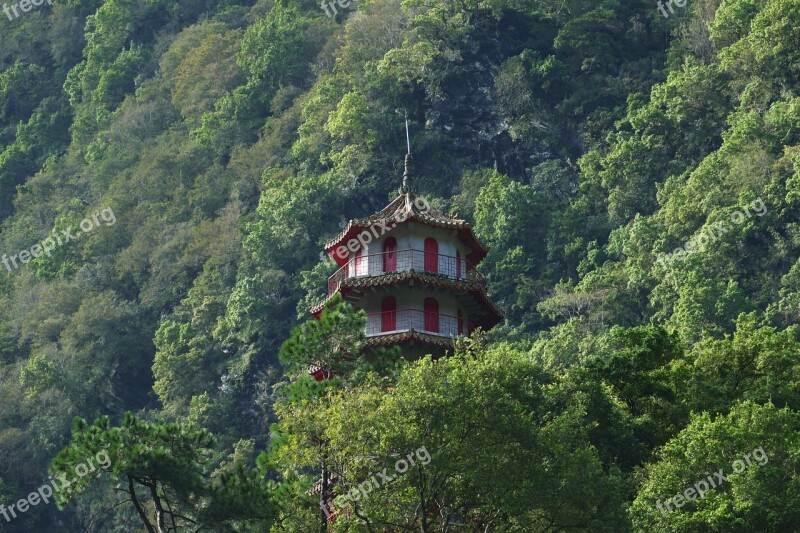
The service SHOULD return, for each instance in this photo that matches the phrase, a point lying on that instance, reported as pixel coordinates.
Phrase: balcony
(407, 319)
(456, 268)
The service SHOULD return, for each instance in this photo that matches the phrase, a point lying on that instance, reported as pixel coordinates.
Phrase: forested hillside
(170, 170)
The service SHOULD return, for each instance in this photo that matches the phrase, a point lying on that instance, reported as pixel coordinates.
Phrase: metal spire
(408, 136)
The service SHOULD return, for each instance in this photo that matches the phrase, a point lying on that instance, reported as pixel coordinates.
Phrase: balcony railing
(406, 319)
(447, 266)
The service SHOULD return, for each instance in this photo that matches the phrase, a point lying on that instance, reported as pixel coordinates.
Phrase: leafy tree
(757, 492)
(755, 364)
(500, 451)
(273, 49)
(163, 469)
(21, 89)
(336, 341)
(212, 61)
(637, 371)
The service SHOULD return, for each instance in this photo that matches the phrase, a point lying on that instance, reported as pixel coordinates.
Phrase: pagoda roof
(403, 209)
(408, 336)
(426, 278)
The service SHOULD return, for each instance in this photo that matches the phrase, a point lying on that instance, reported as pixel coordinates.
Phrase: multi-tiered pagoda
(412, 270)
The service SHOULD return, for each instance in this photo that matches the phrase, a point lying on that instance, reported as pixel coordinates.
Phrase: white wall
(411, 236)
(414, 298)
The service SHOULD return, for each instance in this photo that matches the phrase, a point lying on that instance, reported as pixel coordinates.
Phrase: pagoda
(412, 270)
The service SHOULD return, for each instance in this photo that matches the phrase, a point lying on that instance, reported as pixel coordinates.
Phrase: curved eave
(405, 208)
(409, 336)
(478, 250)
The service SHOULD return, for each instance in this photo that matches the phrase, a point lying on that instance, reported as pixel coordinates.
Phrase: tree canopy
(635, 176)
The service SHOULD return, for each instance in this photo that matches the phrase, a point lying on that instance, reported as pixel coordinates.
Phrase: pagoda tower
(412, 270)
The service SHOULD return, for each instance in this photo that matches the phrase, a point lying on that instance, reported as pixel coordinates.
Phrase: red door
(460, 322)
(431, 315)
(458, 264)
(390, 255)
(389, 314)
(431, 255)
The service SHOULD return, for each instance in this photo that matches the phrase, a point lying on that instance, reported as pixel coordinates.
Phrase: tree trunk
(323, 500)
(138, 507)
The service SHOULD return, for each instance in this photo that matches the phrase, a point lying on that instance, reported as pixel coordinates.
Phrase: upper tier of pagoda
(407, 207)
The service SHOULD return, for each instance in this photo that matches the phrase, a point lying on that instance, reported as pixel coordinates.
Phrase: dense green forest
(635, 172)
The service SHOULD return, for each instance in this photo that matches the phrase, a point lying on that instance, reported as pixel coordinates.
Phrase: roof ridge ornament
(406, 188)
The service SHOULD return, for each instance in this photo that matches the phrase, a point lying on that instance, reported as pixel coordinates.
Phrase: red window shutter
(432, 315)
(389, 314)
(431, 255)
(390, 255)
(358, 262)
